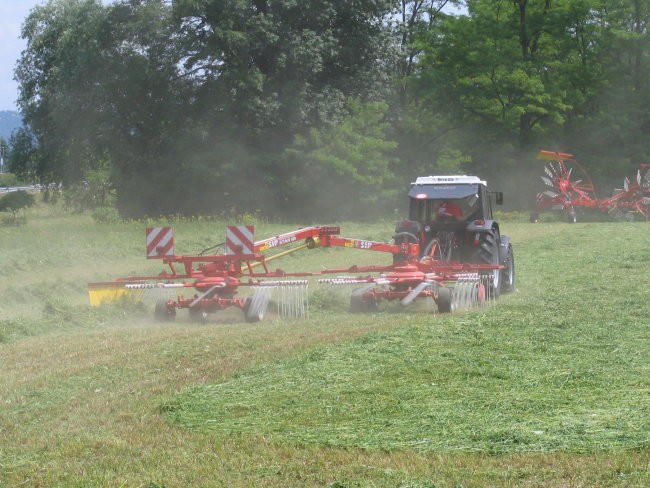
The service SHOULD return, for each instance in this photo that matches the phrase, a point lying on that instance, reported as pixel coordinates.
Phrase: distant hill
(9, 121)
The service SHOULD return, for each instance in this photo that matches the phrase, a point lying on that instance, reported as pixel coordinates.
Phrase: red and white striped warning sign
(160, 242)
(239, 239)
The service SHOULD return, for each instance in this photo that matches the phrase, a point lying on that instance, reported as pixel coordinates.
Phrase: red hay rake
(207, 283)
(567, 194)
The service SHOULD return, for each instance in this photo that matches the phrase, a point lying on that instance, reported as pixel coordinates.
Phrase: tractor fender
(474, 229)
(503, 252)
(408, 226)
(485, 227)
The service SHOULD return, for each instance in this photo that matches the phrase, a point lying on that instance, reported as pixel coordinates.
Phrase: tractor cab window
(421, 210)
(459, 209)
(444, 203)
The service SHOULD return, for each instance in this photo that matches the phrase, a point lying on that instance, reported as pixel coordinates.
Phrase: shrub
(106, 215)
(15, 201)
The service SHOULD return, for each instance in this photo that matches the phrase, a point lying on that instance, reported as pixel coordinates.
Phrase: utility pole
(2, 157)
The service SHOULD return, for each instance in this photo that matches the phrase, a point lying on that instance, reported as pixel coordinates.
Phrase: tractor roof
(449, 180)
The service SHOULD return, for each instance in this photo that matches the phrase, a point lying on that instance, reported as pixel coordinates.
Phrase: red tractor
(450, 217)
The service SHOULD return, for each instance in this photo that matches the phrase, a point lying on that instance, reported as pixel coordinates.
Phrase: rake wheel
(572, 217)
(198, 314)
(359, 305)
(444, 300)
(164, 313)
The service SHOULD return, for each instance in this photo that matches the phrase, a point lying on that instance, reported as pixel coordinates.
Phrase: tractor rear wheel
(487, 252)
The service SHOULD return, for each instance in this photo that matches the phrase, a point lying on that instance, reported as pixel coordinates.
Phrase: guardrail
(7, 189)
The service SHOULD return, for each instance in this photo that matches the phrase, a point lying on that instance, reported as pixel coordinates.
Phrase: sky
(12, 15)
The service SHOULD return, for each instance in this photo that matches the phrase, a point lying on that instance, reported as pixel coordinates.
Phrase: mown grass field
(548, 387)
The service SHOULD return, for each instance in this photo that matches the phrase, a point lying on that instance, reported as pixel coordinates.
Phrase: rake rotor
(567, 194)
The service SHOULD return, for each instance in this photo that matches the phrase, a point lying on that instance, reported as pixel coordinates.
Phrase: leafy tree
(150, 123)
(517, 69)
(413, 19)
(4, 154)
(58, 74)
(613, 139)
(272, 66)
(96, 191)
(200, 106)
(187, 102)
(346, 170)
(24, 157)
(99, 92)
(16, 201)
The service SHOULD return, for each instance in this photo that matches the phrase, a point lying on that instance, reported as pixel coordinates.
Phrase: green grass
(562, 365)
(547, 387)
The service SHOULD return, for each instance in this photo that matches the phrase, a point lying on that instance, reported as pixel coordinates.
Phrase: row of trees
(325, 108)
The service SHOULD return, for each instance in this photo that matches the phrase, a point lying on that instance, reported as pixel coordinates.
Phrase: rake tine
(475, 294)
(293, 298)
(546, 181)
(465, 296)
(260, 299)
(458, 297)
(454, 299)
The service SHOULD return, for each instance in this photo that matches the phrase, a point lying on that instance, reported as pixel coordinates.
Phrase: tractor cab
(441, 201)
